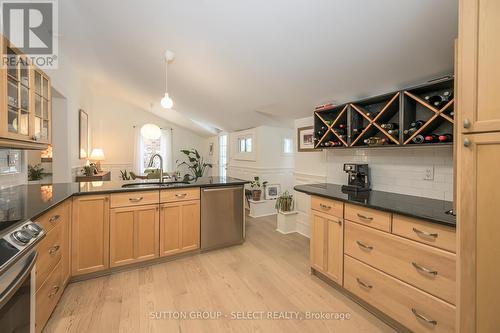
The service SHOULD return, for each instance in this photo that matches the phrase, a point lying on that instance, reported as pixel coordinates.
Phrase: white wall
(267, 159)
(392, 170)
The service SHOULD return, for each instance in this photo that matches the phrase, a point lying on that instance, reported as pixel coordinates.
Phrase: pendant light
(151, 131)
(166, 101)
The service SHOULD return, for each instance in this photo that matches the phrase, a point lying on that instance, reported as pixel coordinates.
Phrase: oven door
(17, 296)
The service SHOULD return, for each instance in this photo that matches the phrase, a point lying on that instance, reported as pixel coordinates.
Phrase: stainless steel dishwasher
(222, 217)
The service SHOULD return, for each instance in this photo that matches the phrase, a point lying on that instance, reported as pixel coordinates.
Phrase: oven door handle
(19, 280)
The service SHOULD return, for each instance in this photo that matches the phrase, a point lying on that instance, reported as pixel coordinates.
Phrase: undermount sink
(155, 184)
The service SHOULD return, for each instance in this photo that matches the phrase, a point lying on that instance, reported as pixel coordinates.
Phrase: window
(287, 146)
(151, 147)
(145, 148)
(245, 144)
(222, 155)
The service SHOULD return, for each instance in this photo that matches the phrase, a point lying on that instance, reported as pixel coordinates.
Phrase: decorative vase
(256, 195)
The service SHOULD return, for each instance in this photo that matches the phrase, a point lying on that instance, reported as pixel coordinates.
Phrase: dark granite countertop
(24, 202)
(431, 210)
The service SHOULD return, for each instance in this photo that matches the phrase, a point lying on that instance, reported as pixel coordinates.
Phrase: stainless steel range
(17, 284)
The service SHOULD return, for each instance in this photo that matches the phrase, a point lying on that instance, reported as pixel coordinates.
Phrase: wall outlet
(429, 173)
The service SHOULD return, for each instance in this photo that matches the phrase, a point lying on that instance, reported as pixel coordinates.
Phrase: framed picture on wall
(83, 130)
(272, 191)
(305, 139)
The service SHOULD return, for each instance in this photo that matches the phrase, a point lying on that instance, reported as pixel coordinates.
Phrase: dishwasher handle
(221, 189)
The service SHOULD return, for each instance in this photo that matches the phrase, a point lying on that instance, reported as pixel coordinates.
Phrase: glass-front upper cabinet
(17, 106)
(25, 101)
(42, 104)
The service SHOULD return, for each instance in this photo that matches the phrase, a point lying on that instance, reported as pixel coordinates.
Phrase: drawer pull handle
(339, 222)
(364, 284)
(423, 269)
(424, 318)
(365, 217)
(364, 246)
(425, 234)
(54, 292)
(135, 199)
(181, 195)
(54, 218)
(53, 250)
(325, 206)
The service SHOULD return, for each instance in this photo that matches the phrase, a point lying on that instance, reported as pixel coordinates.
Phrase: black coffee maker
(358, 177)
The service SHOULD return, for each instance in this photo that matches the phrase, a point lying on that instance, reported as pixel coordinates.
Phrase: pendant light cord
(166, 75)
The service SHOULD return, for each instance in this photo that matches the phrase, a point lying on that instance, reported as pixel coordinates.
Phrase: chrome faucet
(151, 161)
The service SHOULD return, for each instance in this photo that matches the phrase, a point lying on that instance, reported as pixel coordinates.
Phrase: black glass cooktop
(7, 251)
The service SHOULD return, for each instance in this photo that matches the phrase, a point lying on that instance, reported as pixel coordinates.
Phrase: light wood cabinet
(370, 217)
(134, 234)
(179, 227)
(66, 242)
(478, 66)
(479, 233)
(25, 99)
(326, 252)
(180, 194)
(47, 296)
(90, 234)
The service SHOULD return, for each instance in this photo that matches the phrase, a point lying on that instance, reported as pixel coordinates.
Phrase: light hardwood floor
(270, 272)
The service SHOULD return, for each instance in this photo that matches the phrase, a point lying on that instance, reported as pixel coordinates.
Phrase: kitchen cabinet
(47, 296)
(326, 252)
(25, 112)
(478, 70)
(90, 234)
(179, 227)
(134, 234)
(479, 232)
(66, 242)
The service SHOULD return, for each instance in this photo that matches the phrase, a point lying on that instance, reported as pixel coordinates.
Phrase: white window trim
(244, 156)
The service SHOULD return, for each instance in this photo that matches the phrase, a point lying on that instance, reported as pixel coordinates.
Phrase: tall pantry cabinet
(478, 161)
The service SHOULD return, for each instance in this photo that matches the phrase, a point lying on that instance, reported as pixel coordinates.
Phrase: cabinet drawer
(181, 194)
(367, 216)
(54, 217)
(425, 232)
(47, 296)
(49, 254)
(134, 199)
(408, 305)
(425, 267)
(328, 206)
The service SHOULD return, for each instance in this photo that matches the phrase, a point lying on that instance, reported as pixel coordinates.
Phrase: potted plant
(35, 172)
(195, 164)
(256, 185)
(284, 203)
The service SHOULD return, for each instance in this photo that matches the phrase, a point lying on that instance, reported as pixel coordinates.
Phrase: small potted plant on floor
(256, 191)
(284, 203)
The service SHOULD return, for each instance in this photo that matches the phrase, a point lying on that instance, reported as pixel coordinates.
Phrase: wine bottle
(371, 114)
(430, 138)
(445, 138)
(358, 130)
(410, 131)
(342, 126)
(372, 140)
(390, 126)
(393, 131)
(339, 130)
(417, 123)
(418, 139)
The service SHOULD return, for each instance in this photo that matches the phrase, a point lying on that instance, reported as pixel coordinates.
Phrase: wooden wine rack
(400, 107)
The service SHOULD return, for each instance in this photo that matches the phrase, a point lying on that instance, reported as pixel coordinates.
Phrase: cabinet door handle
(364, 284)
(466, 123)
(466, 142)
(180, 195)
(364, 246)
(54, 292)
(54, 218)
(135, 199)
(423, 269)
(424, 318)
(53, 250)
(425, 234)
(325, 206)
(364, 217)
(339, 222)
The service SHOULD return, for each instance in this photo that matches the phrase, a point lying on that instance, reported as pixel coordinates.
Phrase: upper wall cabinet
(478, 70)
(25, 101)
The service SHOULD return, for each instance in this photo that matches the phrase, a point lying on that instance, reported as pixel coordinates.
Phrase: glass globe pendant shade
(150, 131)
(167, 102)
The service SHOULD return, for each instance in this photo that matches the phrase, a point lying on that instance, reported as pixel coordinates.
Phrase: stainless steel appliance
(358, 177)
(17, 277)
(222, 217)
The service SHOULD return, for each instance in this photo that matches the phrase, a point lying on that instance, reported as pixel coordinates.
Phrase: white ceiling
(241, 64)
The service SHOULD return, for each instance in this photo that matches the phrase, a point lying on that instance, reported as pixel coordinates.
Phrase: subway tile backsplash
(399, 170)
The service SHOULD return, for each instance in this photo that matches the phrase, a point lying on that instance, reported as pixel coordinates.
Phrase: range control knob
(33, 229)
(21, 237)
